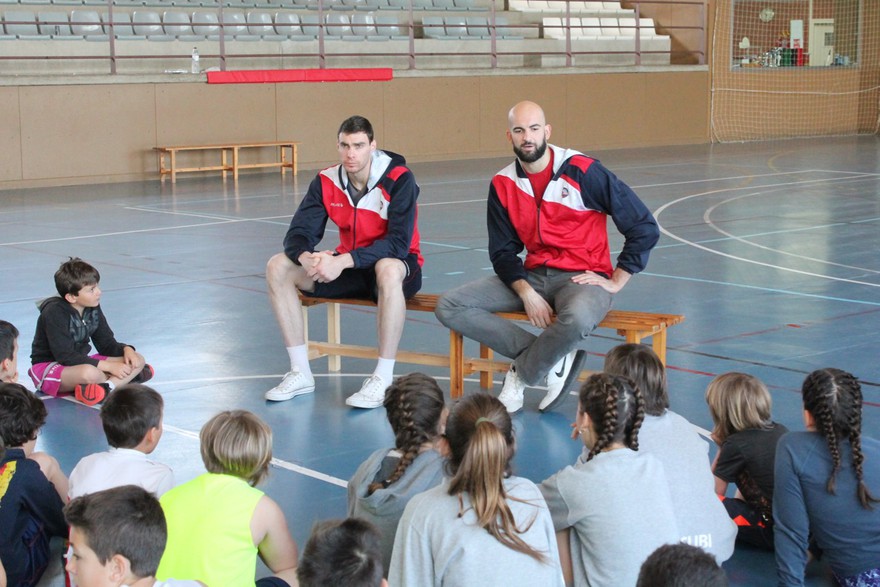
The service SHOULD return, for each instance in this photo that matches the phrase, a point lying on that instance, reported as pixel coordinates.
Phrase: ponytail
(480, 436)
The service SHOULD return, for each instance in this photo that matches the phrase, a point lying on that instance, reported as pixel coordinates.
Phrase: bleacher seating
(250, 23)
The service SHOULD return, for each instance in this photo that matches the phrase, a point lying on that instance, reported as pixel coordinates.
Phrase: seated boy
(343, 553)
(132, 420)
(117, 537)
(30, 502)
(8, 352)
(60, 359)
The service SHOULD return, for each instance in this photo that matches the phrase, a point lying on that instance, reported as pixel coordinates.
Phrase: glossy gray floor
(769, 249)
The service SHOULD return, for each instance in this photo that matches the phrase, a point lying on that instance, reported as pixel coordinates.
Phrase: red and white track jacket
(568, 230)
(382, 225)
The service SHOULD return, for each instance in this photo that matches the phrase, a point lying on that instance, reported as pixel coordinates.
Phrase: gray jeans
(469, 308)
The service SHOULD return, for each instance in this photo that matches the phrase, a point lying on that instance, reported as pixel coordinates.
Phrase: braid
(414, 404)
(826, 424)
(855, 442)
(608, 425)
(616, 409)
(834, 398)
(632, 435)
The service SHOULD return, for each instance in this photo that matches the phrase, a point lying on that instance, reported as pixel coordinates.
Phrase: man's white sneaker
(294, 383)
(371, 394)
(561, 377)
(512, 391)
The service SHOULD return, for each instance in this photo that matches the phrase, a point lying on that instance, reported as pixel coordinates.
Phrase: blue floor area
(769, 249)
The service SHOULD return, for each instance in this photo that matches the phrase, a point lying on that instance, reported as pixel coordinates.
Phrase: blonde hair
(737, 402)
(237, 443)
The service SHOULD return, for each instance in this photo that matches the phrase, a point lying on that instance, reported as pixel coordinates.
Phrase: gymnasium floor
(770, 250)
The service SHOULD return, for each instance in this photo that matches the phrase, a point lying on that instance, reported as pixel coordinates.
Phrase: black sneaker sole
(577, 365)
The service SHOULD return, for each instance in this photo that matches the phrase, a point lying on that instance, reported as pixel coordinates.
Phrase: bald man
(552, 202)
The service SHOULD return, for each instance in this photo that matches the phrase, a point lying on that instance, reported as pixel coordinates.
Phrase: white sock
(299, 359)
(385, 370)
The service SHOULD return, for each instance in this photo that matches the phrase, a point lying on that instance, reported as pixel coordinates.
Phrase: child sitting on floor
(828, 486)
(117, 537)
(702, 519)
(483, 526)
(60, 359)
(8, 352)
(132, 420)
(385, 482)
(342, 553)
(219, 522)
(740, 407)
(31, 489)
(612, 509)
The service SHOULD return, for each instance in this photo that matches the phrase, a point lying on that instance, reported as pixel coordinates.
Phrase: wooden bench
(229, 158)
(633, 326)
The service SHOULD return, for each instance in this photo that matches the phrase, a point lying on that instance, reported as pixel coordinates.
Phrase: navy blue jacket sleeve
(402, 213)
(630, 215)
(104, 339)
(504, 242)
(307, 225)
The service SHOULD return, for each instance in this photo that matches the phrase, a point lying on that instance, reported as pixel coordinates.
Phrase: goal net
(795, 68)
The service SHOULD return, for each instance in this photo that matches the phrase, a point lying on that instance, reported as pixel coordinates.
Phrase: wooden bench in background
(229, 158)
(633, 326)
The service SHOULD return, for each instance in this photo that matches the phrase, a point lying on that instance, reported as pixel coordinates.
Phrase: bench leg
(173, 167)
(334, 335)
(223, 165)
(293, 157)
(658, 342)
(161, 156)
(456, 364)
(235, 164)
(486, 376)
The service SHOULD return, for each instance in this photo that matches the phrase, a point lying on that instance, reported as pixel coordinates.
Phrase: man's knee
(281, 271)
(389, 273)
(445, 309)
(278, 265)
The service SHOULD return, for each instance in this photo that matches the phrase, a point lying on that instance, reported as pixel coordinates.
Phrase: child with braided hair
(740, 406)
(482, 526)
(825, 493)
(611, 509)
(385, 482)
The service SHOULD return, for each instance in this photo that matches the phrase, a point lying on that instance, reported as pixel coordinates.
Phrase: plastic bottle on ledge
(195, 61)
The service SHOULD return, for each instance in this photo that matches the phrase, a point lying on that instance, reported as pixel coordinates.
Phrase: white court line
(117, 233)
(707, 218)
(662, 208)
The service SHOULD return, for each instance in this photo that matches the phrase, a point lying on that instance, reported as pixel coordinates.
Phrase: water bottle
(195, 61)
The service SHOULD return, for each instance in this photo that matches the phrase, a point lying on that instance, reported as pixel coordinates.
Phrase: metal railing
(535, 42)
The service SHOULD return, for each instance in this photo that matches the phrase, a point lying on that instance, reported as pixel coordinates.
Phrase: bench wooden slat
(633, 326)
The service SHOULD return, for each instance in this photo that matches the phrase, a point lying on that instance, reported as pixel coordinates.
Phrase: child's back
(132, 421)
(219, 521)
(740, 406)
(382, 486)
